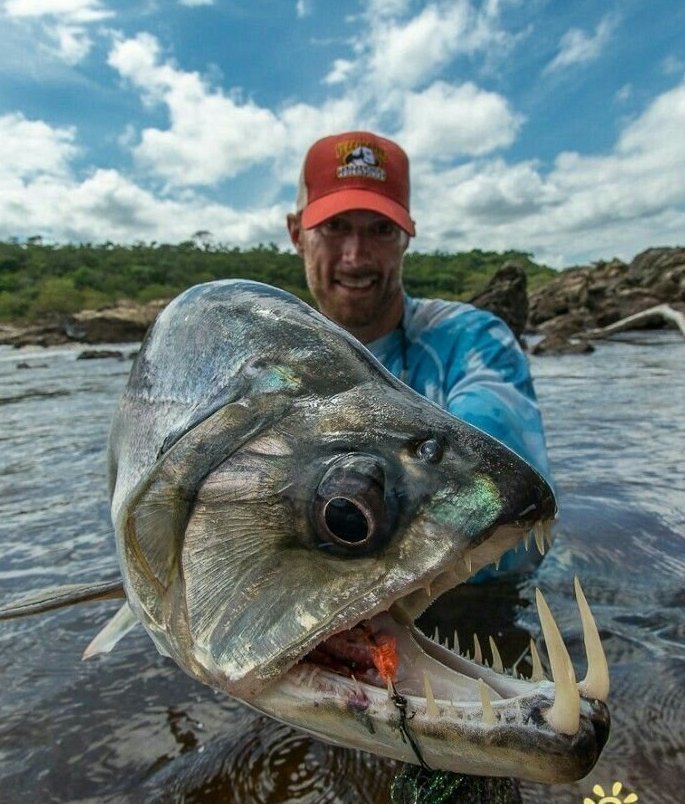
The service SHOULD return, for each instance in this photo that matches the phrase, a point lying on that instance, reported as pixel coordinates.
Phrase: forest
(38, 280)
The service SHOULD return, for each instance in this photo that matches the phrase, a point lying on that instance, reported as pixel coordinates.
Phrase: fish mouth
(383, 671)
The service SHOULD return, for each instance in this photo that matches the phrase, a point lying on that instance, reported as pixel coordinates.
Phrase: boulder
(560, 345)
(594, 297)
(100, 354)
(126, 322)
(506, 296)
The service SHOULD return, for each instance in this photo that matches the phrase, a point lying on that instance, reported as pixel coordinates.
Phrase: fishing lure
(383, 649)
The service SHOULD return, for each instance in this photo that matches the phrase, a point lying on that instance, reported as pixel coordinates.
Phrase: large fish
(284, 509)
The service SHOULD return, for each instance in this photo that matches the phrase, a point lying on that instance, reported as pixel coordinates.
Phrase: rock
(97, 354)
(556, 344)
(48, 334)
(594, 297)
(126, 322)
(505, 295)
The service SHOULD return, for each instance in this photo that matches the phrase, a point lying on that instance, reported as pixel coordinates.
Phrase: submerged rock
(98, 354)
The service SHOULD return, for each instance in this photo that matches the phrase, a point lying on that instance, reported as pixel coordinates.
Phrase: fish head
(288, 534)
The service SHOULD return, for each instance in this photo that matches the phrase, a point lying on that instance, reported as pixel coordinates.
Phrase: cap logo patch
(359, 158)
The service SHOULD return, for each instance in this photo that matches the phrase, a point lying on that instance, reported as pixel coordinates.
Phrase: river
(131, 727)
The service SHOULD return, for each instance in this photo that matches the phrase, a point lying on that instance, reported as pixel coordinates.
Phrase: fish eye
(351, 514)
(429, 450)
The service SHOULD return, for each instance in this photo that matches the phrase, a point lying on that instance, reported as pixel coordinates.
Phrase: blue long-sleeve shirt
(468, 361)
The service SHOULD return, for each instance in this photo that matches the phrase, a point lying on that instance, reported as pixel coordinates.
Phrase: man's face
(353, 265)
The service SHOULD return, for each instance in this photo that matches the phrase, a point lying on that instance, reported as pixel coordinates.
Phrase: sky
(553, 127)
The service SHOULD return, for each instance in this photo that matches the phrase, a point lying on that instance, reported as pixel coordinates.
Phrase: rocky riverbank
(126, 322)
(572, 309)
(568, 311)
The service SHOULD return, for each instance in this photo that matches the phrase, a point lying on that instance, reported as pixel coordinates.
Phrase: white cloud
(61, 27)
(386, 8)
(31, 147)
(624, 93)
(75, 11)
(578, 47)
(40, 193)
(584, 204)
(394, 52)
(211, 136)
(673, 65)
(609, 204)
(406, 53)
(195, 3)
(107, 206)
(582, 208)
(445, 121)
(342, 69)
(303, 8)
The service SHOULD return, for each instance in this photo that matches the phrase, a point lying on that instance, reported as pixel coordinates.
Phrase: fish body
(284, 509)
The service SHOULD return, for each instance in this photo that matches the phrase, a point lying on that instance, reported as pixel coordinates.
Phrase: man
(352, 227)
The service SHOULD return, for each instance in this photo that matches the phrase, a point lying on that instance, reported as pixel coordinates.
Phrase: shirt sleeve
(489, 385)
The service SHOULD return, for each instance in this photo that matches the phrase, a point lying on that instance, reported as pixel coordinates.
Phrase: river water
(131, 727)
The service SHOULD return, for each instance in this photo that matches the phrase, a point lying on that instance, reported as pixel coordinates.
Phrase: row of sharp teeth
(541, 534)
(564, 714)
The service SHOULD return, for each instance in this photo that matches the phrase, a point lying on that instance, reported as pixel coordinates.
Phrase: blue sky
(556, 127)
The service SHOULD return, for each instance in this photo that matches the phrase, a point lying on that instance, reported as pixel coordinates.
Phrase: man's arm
(489, 385)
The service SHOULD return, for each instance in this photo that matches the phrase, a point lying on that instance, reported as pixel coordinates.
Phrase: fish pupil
(346, 521)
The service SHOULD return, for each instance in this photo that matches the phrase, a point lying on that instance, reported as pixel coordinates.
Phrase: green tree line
(39, 280)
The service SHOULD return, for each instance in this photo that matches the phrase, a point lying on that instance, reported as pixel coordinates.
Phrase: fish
(284, 509)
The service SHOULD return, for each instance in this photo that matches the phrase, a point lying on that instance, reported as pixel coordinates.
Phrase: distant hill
(38, 281)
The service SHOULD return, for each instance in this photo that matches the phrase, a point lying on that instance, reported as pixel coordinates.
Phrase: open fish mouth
(386, 675)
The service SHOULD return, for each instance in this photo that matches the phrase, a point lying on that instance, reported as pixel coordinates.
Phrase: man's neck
(376, 330)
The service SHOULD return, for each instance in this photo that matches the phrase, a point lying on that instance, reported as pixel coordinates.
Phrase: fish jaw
(463, 716)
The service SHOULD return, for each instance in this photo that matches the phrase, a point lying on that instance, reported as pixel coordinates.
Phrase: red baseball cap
(355, 170)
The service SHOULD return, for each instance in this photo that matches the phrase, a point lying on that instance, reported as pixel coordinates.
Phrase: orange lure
(384, 656)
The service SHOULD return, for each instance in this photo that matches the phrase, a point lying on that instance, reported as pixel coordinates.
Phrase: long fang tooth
(427, 588)
(564, 715)
(596, 682)
(539, 537)
(469, 564)
(526, 540)
(538, 672)
(477, 653)
(436, 635)
(489, 717)
(497, 665)
(431, 706)
(455, 645)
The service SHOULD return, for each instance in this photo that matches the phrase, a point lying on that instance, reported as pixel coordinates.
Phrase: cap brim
(347, 200)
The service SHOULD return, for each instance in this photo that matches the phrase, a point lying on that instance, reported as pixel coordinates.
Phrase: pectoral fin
(115, 629)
